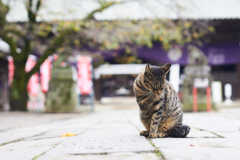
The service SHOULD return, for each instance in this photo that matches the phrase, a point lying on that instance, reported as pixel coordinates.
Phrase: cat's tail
(179, 131)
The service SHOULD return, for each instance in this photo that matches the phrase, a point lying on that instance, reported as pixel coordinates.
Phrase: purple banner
(216, 54)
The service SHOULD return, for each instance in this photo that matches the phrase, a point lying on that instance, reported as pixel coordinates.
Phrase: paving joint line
(21, 139)
(212, 132)
(157, 151)
(45, 152)
(108, 153)
(54, 146)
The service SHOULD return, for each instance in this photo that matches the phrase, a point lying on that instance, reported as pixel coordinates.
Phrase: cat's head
(155, 76)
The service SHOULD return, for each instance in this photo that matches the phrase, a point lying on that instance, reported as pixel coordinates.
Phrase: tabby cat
(160, 108)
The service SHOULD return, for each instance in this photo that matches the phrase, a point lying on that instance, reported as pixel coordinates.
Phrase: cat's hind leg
(179, 131)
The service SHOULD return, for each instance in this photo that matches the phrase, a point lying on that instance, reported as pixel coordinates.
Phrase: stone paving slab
(26, 150)
(213, 136)
(106, 140)
(199, 148)
(104, 133)
(214, 123)
(196, 133)
(26, 143)
(110, 135)
(114, 135)
(20, 134)
(16, 120)
(46, 130)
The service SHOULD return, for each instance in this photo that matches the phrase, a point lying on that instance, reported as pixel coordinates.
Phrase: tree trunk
(4, 102)
(18, 90)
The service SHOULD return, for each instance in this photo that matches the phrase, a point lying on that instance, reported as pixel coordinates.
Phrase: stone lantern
(62, 95)
(197, 81)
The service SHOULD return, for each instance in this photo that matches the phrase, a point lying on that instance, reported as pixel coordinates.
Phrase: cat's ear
(166, 68)
(148, 68)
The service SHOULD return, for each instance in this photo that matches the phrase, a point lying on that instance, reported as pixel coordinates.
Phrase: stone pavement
(114, 135)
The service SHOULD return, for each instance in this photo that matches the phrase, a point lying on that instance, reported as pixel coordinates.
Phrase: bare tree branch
(39, 4)
(54, 46)
(32, 10)
(103, 5)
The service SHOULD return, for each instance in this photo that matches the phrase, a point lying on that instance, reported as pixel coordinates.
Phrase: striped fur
(160, 108)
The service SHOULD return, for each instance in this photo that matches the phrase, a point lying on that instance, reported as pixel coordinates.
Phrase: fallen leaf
(68, 135)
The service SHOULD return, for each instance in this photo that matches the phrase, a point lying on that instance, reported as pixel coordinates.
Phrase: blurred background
(68, 55)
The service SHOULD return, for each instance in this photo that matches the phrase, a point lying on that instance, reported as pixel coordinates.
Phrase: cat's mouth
(157, 91)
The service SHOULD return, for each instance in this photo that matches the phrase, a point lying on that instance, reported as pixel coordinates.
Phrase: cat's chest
(158, 102)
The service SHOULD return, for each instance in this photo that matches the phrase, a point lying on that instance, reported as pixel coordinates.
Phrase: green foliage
(129, 35)
(117, 34)
(3, 12)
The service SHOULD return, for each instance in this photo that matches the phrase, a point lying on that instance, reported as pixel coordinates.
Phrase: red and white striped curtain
(45, 74)
(34, 81)
(10, 70)
(84, 67)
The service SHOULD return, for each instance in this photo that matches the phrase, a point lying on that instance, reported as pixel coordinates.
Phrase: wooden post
(98, 89)
(238, 86)
(195, 103)
(209, 99)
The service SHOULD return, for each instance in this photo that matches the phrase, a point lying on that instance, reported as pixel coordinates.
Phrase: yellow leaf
(68, 135)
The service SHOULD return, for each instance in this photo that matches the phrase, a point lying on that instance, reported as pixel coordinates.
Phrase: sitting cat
(160, 108)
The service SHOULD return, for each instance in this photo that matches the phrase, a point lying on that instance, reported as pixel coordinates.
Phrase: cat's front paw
(153, 135)
(157, 135)
(144, 133)
(162, 134)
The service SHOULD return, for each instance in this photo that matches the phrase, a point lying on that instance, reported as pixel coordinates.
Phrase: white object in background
(228, 93)
(201, 83)
(174, 76)
(4, 46)
(217, 92)
(122, 91)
